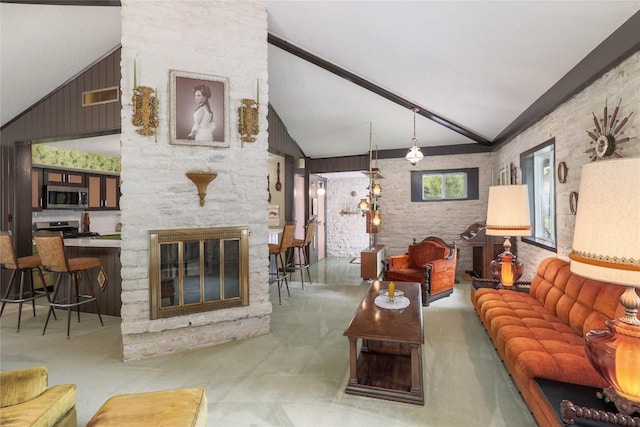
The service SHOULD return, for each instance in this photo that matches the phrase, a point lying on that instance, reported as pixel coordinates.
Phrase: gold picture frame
(199, 109)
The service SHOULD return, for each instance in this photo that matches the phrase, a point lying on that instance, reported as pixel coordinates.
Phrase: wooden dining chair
(302, 248)
(31, 264)
(54, 258)
(278, 268)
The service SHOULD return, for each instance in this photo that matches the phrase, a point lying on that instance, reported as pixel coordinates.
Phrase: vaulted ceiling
(475, 67)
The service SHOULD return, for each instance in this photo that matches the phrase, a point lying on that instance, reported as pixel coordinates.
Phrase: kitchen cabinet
(104, 191)
(66, 177)
(36, 189)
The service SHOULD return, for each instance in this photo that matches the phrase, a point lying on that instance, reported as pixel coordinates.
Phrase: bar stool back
(277, 253)
(54, 258)
(31, 263)
(302, 246)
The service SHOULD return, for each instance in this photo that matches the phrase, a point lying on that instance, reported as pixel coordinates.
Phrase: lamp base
(623, 405)
(507, 269)
(615, 353)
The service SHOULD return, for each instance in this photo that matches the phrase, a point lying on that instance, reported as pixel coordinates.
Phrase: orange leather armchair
(432, 263)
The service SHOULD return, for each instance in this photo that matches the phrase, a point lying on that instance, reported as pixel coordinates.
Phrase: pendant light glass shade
(414, 155)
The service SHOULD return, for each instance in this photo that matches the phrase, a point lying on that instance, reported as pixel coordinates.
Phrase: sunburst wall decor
(606, 136)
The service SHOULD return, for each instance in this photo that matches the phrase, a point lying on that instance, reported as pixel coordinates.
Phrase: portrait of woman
(203, 124)
(198, 109)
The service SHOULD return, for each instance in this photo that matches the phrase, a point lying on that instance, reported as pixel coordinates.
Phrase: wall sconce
(201, 180)
(248, 123)
(145, 110)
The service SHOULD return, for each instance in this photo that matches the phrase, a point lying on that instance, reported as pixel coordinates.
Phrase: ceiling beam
(366, 84)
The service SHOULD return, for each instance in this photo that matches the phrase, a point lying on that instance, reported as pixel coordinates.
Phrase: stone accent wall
(346, 233)
(568, 125)
(403, 221)
(227, 39)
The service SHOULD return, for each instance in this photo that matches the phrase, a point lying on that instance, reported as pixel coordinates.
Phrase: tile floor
(294, 376)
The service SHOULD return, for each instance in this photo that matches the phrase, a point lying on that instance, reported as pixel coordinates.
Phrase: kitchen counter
(93, 243)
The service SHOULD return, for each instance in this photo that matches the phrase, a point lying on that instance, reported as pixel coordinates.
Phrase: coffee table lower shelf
(386, 376)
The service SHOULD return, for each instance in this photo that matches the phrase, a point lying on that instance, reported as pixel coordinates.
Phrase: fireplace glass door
(198, 270)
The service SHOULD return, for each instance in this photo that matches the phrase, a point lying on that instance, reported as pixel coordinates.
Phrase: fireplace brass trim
(200, 235)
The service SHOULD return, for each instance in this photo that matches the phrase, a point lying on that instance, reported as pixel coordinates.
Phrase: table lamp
(606, 247)
(508, 215)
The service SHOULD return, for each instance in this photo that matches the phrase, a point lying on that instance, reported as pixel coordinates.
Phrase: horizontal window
(444, 185)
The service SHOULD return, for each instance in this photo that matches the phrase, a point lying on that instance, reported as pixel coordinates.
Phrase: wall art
(199, 109)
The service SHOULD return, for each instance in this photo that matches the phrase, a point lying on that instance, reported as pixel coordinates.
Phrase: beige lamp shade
(606, 239)
(508, 211)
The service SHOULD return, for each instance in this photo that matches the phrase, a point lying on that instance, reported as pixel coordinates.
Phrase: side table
(518, 286)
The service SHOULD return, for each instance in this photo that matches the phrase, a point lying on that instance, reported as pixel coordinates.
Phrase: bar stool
(54, 258)
(277, 252)
(302, 246)
(9, 260)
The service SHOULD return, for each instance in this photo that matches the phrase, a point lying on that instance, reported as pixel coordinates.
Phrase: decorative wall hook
(248, 125)
(145, 111)
(202, 180)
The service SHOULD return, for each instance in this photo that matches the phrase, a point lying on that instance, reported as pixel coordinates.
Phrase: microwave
(60, 197)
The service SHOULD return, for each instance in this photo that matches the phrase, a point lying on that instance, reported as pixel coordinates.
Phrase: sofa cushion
(537, 343)
(422, 253)
(43, 410)
(581, 303)
(184, 407)
(406, 275)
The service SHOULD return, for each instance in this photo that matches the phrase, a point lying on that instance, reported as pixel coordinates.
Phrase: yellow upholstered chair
(27, 400)
(278, 269)
(10, 261)
(54, 258)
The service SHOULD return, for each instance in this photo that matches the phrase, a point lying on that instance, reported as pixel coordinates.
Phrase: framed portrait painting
(199, 109)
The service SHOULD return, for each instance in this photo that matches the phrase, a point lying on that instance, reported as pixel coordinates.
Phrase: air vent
(101, 96)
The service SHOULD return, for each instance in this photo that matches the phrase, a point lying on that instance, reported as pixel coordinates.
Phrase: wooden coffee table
(390, 362)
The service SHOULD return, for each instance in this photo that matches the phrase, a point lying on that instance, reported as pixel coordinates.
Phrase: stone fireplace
(197, 270)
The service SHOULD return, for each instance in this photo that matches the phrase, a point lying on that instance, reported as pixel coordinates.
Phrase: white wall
(404, 221)
(346, 233)
(227, 39)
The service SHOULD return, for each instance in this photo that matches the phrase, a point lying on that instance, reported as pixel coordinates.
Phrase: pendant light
(414, 155)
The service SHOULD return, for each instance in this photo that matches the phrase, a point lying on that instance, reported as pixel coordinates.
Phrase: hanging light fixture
(321, 189)
(363, 206)
(414, 155)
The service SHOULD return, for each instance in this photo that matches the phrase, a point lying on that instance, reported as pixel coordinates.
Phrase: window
(538, 172)
(443, 185)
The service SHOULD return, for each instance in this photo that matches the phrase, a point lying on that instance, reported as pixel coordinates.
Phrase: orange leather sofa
(432, 263)
(540, 334)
